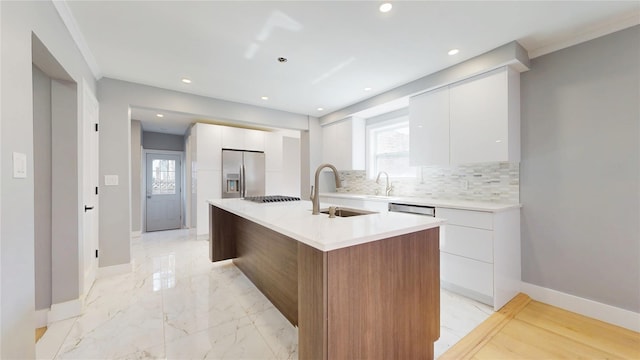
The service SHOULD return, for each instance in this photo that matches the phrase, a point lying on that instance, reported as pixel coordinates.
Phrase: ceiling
(335, 49)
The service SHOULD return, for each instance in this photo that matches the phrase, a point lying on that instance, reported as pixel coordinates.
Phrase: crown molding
(601, 29)
(70, 22)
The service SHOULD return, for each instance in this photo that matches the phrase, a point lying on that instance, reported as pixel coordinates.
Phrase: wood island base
(377, 300)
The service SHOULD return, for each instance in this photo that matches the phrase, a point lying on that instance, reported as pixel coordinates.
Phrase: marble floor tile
(176, 304)
(237, 339)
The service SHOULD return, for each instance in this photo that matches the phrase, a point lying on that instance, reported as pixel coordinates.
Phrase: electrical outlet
(464, 184)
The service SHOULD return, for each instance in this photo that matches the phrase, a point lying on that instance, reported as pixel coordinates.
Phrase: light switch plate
(19, 165)
(111, 180)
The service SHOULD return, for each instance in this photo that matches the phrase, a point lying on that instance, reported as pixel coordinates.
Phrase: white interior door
(163, 186)
(89, 253)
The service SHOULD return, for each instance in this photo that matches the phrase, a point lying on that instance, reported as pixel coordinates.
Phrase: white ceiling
(335, 49)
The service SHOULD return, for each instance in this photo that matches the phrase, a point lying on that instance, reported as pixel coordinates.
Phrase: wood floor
(527, 329)
(40, 332)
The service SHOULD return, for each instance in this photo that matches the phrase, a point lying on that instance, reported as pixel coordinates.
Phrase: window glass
(163, 178)
(389, 149)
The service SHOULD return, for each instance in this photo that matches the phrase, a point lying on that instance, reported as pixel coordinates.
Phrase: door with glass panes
(163, 206)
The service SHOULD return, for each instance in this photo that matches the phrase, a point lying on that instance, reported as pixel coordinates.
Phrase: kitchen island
(360, 287)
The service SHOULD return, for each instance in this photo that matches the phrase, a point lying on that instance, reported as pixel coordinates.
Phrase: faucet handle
(311, 195)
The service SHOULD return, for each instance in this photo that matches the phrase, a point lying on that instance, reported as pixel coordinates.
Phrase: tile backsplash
(492, 182)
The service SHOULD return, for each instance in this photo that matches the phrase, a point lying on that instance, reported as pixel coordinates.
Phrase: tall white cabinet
(206, 171)
(472, 121)
(206, 142)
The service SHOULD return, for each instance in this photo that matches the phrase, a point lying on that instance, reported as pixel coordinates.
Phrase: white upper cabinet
(473, 121)
(273, 151)
(429, 128)
(232, 138)
(485, 118)
(343, 144)
(253, 140)
(242, 139)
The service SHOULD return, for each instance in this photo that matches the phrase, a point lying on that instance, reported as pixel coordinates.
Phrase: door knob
(87, 208)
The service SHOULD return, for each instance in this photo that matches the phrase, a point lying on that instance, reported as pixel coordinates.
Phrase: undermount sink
(347, 212)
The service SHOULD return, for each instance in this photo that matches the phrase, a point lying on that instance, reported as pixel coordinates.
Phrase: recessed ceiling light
(159, 115)
(320, 109)
(265, 98)
(367, 89)
(386, 7)
(186, 81)
(453, 51)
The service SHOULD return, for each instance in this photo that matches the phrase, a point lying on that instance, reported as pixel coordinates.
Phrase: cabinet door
(253, 140)
(479, 119)
(209, 147)
(273, 151)
(429, 124)
(336, 145)
(233, 138)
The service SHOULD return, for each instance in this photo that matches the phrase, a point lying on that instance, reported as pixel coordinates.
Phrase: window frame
(371, 129)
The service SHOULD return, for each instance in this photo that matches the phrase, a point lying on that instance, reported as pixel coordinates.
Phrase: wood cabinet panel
(379, 300)
(222, 238)
(383, 298)
(312, 291)
(269, 259)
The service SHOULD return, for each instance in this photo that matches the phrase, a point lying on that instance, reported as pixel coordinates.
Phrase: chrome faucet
(315, 198)
(388, 187)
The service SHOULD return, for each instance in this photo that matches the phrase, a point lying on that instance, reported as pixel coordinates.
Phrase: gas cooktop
(271, 198)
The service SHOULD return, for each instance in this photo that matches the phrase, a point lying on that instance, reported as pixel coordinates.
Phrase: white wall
(19, 20)
(160, 141)
(42, 186)
(115, 98)
(136, 176)
(65, 197)
(580, 170)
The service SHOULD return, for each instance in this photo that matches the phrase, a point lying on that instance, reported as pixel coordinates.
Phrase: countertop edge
(334, 246)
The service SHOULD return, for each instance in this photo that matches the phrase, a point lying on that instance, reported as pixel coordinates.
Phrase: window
(389, 148)
(163, 177)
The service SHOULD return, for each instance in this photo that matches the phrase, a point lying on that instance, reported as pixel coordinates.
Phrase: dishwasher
(413, 209)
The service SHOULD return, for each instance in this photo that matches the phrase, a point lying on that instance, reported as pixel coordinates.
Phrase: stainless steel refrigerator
(243, 173)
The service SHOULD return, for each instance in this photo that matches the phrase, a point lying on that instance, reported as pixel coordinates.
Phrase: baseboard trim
(112, 270)
(202, 237)
(603, 312)
(136, 234)
(64, 310)
(41, 318)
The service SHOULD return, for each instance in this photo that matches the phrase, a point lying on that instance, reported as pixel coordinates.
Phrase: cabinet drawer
(467, 273)
(469, 242)
(476, 219)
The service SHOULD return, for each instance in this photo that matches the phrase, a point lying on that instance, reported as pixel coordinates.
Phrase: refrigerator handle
(243, 179)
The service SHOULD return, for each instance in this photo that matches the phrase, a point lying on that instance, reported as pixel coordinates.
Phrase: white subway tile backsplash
(491, 182)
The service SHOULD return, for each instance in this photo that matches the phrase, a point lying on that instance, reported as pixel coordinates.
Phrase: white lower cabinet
(480, 254)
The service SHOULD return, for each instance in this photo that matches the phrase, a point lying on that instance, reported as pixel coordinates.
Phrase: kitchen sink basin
(347, 212)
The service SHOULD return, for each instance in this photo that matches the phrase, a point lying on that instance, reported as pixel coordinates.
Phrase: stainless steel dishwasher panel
(413, 209)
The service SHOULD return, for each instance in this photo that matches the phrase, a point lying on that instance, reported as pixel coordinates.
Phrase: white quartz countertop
(294, 220)
(452, 204)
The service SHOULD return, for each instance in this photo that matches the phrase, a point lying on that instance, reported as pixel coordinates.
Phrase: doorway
(163, 182)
